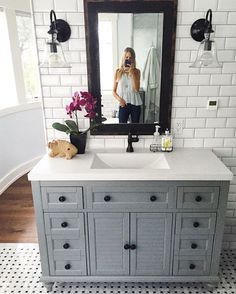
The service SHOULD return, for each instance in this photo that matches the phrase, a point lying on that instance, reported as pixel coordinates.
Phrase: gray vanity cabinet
(66, 243)
(130, 231)
(108, 234)
(151, 235)
(130, 243)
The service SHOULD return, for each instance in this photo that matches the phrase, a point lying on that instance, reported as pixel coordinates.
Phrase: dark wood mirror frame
(91, 10)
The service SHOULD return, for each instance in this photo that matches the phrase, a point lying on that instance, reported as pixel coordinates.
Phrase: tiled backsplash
(215, 129)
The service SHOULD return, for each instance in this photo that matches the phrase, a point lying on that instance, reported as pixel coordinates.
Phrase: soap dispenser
(156, 144)
(167, 142)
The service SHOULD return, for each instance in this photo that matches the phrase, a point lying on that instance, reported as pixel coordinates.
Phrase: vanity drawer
(198, 197)
(59, 245)
(67, 267)
(67, 224)
(107, 198)
(193, 244)
(63, 251)
(195, 223)
(191, 265)
(62, 198)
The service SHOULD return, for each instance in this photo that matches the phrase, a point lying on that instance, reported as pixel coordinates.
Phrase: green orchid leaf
(71, 125)
(60, 127)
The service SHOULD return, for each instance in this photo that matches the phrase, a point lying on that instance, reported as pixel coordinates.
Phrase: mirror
(136, 96)
(142, 32)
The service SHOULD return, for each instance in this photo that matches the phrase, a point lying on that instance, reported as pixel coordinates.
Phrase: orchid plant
(80, 100)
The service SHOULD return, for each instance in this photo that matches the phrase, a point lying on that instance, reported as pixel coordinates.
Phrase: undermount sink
(129, 161)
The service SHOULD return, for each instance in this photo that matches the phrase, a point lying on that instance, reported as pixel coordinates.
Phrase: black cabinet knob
(66, 246)
(127, 246)
(196, 224)
(64, 224)
(107, 198)
(153, 198)
(62, 198)
(192, 266)
(193, 245)
(133, 247)
(198, 198)
(67, 266)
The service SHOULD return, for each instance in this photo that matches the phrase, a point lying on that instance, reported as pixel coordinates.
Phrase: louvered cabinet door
(151, 241)
(108, 235)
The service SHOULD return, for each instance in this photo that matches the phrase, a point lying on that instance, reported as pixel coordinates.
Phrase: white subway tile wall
(203, 128)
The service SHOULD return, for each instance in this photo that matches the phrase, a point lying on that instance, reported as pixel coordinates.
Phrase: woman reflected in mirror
(126, 88)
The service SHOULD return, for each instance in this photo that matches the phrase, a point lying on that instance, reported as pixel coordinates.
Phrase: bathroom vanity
(131, 217)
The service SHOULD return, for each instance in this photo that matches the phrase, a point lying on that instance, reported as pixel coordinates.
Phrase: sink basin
(129, 161)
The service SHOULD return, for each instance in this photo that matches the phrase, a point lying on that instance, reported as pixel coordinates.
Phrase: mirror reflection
(130, 53)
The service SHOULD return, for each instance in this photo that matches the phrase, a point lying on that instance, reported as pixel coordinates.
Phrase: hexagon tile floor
(20, 274)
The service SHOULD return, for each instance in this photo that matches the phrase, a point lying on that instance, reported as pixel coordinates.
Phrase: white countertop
(184, 164)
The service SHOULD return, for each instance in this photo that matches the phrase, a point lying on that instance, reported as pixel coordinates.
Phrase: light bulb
(206, 58)
(54, 60)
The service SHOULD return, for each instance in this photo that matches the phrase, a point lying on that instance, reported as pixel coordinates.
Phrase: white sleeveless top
(125, 91)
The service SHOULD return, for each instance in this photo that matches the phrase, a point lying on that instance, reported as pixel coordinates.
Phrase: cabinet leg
(48, 285)
(211, 286)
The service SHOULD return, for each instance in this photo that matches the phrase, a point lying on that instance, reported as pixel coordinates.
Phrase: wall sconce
(59, 32)
(200, 31)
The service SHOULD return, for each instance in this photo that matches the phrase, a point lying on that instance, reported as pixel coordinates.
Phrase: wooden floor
(17, 223)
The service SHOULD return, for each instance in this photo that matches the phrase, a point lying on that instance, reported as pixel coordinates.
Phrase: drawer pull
(62, 198)
(67, 266)
(64, 224)
(127, 246)
(133, 247)
(153, 198)
(198, 198)
(66, 246)
(107, 198)
(193, 245)
(192, 266)
(196, 224)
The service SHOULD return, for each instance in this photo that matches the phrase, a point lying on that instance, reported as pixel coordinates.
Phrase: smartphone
(127, 62)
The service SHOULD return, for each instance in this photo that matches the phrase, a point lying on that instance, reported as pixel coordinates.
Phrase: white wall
(22, 143)
(125, 33)
(192, 87)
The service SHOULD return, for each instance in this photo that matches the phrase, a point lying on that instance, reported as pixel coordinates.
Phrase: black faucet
(130, 140)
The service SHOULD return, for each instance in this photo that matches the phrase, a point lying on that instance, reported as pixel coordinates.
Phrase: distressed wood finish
(108, 233)
(151, 233)
(168, 246)
(131, 198)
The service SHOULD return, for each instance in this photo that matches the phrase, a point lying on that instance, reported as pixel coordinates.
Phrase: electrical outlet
(178, 126)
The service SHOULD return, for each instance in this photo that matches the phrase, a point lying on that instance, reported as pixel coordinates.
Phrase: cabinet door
(151, 235)
(108, 233)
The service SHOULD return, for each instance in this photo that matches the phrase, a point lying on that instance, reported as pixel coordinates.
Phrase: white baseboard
(16, 173)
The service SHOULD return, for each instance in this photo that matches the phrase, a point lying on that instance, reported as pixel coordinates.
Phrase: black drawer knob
(107, 198)
(67, 266)
(193, 245)
(196, 224)
(64, 224)
(133, 247)
(153, 198)
(62, 198)
(127, 246)
(198, 198)
(192, 266)
(66, 246)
